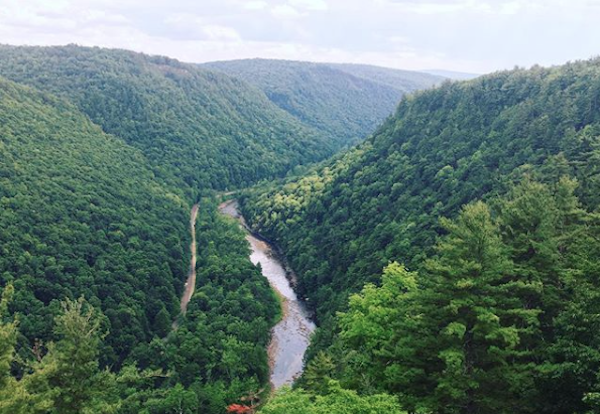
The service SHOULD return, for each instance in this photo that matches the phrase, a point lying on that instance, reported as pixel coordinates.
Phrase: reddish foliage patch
(239, 409)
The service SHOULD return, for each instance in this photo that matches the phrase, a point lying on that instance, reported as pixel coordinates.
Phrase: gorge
(291, 336)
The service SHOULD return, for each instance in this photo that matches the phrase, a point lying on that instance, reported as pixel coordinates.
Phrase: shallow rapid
(291, 336)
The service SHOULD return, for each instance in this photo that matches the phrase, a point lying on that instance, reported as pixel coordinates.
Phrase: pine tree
(469, 313)
(71, 369)
(542, 226)
(569, 375)
(16, 397)
(318, 373)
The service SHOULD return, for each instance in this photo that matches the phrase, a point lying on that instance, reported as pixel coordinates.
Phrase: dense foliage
(84, 214)
(444, 148)
(335, 401)
(501, 317)
(487, 192)
(345, 102)
(216, 355)
(66, 377)
(81, 214)
(198, 128)
(219, 349)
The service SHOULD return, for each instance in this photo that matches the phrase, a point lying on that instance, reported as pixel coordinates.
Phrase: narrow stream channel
(291, 336)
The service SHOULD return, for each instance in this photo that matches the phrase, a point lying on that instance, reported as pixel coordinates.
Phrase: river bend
(291, 336)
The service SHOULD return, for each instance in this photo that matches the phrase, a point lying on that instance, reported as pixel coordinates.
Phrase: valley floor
(291, 336)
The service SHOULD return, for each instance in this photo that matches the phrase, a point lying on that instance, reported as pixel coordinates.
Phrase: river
(291, 336)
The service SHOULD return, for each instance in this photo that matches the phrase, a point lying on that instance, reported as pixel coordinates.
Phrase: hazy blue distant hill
(344, 101)
(405, 81)
(450, 74)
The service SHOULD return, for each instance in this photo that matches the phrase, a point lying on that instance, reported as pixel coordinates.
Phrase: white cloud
(401, 40)
(465, 35)
(286, 11)
(255, 5)
(316, 5)
(443, 7)
(512, 7)
(216, 32)
(195, 27)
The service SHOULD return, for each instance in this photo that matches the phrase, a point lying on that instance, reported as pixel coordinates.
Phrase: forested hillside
(443, 148)
(199, 129)
(345, 102)
(102, 217)
(82, 215)
(526, 141)
(451, 259)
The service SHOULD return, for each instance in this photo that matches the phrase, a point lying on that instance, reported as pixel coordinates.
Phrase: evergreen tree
(71, 369)
(381, 339)
(16, 397)
(470, 312)
(162, 323)
(318, 373)
(569, 378)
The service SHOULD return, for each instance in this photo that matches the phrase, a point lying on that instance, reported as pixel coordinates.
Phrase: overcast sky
(463, 35)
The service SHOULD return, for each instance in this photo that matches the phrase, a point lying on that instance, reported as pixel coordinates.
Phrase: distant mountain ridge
(199, 128)
(405, 81)
(344, 101)
(450, 74)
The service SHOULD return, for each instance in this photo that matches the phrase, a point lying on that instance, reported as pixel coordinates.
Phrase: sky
(460, 35)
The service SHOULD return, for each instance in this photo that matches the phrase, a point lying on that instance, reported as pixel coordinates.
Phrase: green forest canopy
(198, 129)
(82, 214)
(344, 221)
(444, 148)
(478, 200)
(105, 217)
(344, 102)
